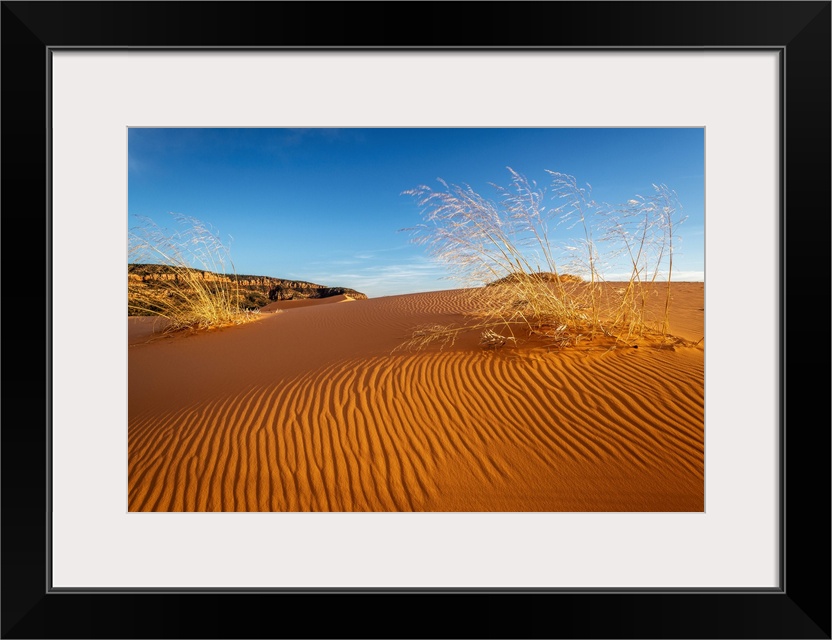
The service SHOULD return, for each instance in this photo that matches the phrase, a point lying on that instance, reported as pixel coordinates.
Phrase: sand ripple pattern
(417, 432)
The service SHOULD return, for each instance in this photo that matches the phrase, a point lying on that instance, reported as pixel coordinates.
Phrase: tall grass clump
(536, 259)
(184, 275)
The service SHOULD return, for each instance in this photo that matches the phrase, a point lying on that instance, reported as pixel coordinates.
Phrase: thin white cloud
(387, 279)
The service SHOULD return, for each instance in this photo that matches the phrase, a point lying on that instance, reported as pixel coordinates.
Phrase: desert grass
(190, 290)
(504, 251)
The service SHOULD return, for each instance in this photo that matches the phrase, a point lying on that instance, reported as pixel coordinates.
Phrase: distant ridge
(258, 291)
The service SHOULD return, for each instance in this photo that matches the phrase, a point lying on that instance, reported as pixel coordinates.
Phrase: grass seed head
(184, 275)
(504, 249)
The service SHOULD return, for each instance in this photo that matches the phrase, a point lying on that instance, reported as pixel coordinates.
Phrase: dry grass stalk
(504, 250)
(187, 291)
(490, 339)
(424, 335)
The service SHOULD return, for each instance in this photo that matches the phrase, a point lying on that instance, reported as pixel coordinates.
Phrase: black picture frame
(799, 608)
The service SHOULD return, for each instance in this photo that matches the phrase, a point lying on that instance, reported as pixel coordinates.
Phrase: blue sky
(326, 205)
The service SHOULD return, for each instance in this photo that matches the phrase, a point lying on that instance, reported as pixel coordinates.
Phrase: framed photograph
(97, 530)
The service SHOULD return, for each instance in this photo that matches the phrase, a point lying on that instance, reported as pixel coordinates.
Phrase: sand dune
(314, 409)
(282, 305)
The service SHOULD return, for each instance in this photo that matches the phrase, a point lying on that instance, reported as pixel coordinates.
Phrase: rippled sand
(314, 409)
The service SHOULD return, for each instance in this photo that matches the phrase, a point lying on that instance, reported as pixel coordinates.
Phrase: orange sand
(310, 409)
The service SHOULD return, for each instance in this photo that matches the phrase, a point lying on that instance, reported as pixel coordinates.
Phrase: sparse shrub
(182, 275)
(253, 300)
(558, 291)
